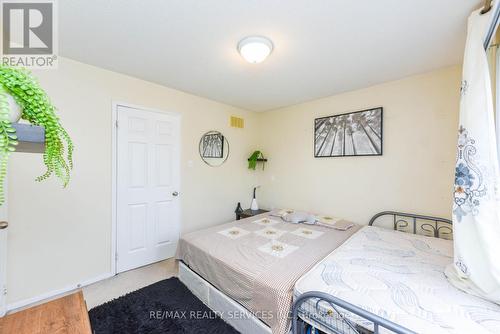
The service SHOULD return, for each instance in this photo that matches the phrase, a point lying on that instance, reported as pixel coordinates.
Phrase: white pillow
(280, 212)
(299, 217)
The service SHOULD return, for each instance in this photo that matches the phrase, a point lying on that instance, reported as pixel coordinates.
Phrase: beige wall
(415, 174)
(58, 238)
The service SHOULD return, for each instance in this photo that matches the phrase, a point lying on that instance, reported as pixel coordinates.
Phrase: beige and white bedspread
(256, 261)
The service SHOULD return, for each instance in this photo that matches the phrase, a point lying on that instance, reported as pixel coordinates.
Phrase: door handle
(175, 194)
(3, 225)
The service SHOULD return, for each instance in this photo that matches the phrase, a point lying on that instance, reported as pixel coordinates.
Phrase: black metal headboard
(426, 225)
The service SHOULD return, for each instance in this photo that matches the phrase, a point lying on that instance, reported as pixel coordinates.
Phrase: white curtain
(476, 207)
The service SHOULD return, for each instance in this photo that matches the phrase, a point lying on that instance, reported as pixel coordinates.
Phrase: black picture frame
(212, 145)
(359, 133)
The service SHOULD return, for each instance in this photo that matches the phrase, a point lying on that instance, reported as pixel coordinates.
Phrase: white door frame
(3, 252)
(114, 161)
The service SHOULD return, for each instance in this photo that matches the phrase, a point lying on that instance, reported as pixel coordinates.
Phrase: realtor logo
(29, 33)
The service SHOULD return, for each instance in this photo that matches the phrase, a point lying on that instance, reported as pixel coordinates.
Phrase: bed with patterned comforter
(256, 261)
(399, 277)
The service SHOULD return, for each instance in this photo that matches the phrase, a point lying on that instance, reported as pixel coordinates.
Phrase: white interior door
(148, 179)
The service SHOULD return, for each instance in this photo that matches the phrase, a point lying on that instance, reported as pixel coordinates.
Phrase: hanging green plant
(38, 110)
(254, 158)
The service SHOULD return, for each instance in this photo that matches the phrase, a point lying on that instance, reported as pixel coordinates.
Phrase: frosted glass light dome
(255, 49)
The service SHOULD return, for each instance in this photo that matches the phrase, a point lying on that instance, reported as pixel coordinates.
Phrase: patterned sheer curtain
(476, 207)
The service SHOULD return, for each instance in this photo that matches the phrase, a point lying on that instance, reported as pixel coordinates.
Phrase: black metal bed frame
(433, 225)
(407, 222)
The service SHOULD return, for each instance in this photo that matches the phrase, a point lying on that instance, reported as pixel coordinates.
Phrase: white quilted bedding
(400, 277)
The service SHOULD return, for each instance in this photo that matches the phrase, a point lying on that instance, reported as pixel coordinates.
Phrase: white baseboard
(51, 294)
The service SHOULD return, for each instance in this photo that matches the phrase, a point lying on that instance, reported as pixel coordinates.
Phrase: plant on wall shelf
(37, 110)
(256, 156)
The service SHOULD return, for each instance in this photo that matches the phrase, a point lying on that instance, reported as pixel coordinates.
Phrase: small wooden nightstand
(249, 213)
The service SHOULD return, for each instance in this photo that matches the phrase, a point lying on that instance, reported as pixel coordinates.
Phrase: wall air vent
(237, 122)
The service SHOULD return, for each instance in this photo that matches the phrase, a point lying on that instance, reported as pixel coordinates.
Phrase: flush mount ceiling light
(255, 49)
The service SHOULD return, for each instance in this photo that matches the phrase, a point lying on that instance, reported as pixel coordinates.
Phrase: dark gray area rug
(164, 307)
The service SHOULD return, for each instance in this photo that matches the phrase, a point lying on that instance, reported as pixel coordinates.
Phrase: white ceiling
(322, 47)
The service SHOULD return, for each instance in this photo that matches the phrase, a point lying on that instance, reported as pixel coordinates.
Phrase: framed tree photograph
(213, 145)
(352, 134)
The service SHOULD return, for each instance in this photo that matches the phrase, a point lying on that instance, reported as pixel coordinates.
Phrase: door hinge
(4, 291)
(116, 257)
(116, 123)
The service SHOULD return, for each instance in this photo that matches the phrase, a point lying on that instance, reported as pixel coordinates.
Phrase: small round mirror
(214, 148)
